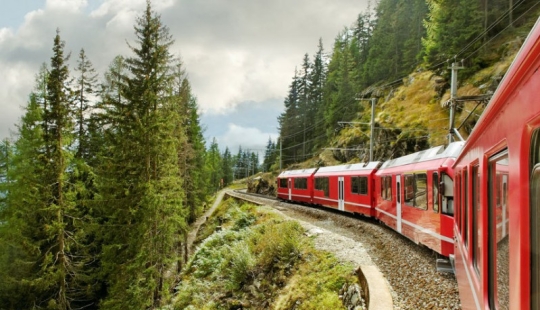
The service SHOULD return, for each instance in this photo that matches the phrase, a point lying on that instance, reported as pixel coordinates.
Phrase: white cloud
(66, 5)
(234, 51)
(249, 138)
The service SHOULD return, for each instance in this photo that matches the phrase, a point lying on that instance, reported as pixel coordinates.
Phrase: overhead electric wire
(464, 49)
(496, 22)
(493, 37)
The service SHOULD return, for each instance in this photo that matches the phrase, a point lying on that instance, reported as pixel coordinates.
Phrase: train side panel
(410, 199)
(346, 188)
(296, 185)
(498, 194)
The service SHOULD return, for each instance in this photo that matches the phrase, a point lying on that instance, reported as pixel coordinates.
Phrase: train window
(415, 190)
(435, 192)
(535, 218)
(498, 260)
(458, 206)
(321, 184)
(465, 208)
(420, 188)
(359, 185)
(447, 194)
(386, 187)
(476, 216)
(409, 189)
(300, 183)
(283, 183)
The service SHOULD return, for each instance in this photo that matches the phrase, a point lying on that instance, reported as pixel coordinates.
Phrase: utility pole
(372, 125)
(453, 95)
(373, 101)
(280, 153)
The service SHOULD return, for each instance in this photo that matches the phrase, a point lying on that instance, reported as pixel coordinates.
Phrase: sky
(240, 55)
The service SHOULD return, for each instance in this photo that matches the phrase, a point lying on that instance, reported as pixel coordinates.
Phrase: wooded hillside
(399, 52)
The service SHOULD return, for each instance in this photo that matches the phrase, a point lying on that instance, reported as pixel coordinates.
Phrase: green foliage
(315, 284)
(451, 26)
(252, 266)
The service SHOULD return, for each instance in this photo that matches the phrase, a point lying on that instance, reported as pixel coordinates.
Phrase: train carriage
(414, 196)
(296, 185)
(497, 225)
(346, 187)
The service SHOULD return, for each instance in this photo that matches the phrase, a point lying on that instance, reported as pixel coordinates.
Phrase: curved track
(408, 268)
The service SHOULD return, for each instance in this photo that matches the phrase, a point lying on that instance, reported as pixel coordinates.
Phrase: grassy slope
(259, 260)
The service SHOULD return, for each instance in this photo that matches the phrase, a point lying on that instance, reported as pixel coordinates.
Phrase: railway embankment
(408, 269)
(257, 258)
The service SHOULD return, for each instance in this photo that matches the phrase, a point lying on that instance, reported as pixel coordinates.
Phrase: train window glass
(416, 190)
(448, 196)
(359, 185)
(389, 187)
(300, 183)
(476, 216)
(409, 189)
(386, 187)
(498, 260)
(354, 185)
(322, 184)
(435, 192)
(465, 207)
(363, 185)
(283, 183)
(420, 191)
(458, 206)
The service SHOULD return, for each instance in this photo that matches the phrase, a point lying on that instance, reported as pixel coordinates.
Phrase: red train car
(497, 224)
(346, 187)
(414, 196)
(296, 185)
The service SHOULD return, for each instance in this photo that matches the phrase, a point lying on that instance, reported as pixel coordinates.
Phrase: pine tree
(41, 212)
(21, 234)
(58, 259)
(451, 26)
(227, 167)
(192, 145)
(316, 115)
(214, 167)
(339, 91)
(290, 124)
(268, 155)
(141, 184)
(85, 87)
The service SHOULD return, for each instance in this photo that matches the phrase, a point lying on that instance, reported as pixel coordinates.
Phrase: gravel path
(194, 229)
(408, 268)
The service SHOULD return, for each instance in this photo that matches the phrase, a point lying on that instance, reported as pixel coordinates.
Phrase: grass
(259, 260)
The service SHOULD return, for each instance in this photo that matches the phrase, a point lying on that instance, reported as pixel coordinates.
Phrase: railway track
(408, 268)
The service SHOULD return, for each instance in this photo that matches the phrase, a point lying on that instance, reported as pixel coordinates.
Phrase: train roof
(350, 167)
(297, 173)
(452, 151)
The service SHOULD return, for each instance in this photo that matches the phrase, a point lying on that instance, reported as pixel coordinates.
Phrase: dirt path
(194, 229)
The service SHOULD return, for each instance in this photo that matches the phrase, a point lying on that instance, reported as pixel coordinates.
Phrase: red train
(412, 194)
(497, 194)
(478, 203)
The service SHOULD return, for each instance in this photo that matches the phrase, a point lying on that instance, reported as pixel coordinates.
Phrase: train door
(398, 203)
(290, 189)
(341, 187)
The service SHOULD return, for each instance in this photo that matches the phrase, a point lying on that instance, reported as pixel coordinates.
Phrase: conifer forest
(108, 169)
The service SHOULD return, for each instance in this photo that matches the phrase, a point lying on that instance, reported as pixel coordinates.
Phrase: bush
(277, 243)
